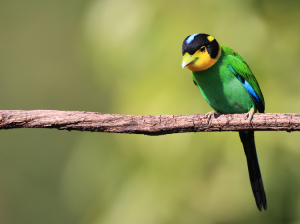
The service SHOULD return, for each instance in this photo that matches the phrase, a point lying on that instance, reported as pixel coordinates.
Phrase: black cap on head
(193, 43)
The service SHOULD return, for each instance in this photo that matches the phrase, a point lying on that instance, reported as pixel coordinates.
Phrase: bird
(229, 86)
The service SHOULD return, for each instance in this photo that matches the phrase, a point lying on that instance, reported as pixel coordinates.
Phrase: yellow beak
(188, 60)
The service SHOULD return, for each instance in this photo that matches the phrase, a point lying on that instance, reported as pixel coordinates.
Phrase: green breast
(222, 90)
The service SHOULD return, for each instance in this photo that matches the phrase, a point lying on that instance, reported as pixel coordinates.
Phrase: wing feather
(243, 73)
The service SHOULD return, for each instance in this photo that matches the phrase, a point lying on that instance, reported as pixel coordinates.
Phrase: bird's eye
(202, 49)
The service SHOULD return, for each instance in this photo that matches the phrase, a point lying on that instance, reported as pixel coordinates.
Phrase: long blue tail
(247, 139)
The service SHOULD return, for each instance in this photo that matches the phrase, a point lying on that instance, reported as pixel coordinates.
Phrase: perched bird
(228, 85)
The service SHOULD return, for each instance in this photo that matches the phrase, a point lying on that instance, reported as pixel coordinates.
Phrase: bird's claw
(209, 115)
(249, 115)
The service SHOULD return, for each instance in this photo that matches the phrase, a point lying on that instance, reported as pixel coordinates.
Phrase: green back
(242, 71)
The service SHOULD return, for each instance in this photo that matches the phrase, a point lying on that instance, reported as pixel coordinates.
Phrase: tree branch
(148, 125)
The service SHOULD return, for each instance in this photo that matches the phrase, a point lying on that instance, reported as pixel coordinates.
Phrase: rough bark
(148, 125)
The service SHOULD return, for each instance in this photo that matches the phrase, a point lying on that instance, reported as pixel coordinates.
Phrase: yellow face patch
(203, 60)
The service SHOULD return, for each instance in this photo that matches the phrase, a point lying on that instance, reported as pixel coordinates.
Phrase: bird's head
(200, 51)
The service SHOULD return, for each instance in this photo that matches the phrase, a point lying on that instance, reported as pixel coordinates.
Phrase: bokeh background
(124, 56)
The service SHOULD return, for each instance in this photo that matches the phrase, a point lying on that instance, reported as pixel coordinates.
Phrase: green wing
(243, 73)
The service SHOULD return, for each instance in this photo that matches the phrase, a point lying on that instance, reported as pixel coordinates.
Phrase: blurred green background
(124, 56)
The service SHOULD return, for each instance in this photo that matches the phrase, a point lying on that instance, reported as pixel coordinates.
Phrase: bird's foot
(209, 115)
(249, 115)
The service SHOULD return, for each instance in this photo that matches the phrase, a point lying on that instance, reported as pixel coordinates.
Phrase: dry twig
(148, 125)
